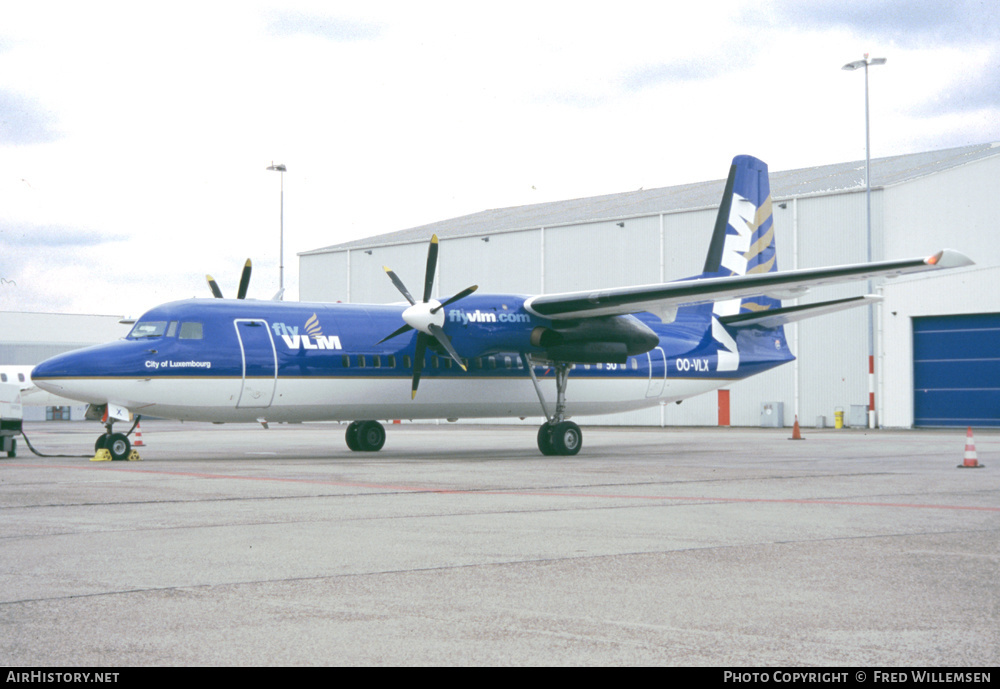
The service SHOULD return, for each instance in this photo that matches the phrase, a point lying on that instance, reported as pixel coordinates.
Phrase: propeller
(244, 283)
(426, 317)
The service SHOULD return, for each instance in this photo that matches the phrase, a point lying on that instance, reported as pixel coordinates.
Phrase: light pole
(851, 66)
(281, 251)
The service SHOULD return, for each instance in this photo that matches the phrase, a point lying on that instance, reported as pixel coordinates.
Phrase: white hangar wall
(926, 202)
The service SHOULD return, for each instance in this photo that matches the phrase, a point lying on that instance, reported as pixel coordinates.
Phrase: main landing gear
(365, 436)
(557, 436)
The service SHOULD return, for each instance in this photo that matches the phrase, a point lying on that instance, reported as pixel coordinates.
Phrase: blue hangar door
(956, 370)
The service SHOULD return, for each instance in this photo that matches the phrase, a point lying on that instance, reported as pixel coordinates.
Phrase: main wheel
(100, 442)
(118, 445)
(371, 436)
(352, 436)
(567, 438)
(545, 439)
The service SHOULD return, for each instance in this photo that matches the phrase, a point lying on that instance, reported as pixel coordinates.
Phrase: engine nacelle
(610, 339)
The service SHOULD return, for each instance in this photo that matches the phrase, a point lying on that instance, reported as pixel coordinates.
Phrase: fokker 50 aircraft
(478, 355)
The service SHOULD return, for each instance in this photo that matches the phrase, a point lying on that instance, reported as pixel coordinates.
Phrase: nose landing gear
(113, 446)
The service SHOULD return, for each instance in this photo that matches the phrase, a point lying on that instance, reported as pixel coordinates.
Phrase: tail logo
(742, 255)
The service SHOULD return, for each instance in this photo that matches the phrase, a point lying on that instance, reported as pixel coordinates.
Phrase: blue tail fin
(743, 240)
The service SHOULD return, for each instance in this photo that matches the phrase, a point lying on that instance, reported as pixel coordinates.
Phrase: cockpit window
(191, 331)
(147, 329)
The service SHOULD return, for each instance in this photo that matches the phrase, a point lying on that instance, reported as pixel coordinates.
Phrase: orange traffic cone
(796, 435)
(138, 437)
(971, 460)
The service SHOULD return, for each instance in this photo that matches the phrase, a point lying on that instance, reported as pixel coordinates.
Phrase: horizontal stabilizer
(789, 314)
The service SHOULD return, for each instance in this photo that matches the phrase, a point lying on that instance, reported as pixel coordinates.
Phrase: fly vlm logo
(311, 338)
(465, 317)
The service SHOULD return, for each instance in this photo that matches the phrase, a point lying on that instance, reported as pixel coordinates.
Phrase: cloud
(27, 236)
(333, 29)
(907, 23)
(23, 121)
(973, 88)
(671, 73)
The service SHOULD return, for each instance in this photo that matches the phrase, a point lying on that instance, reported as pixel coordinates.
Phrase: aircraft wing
(662, 298)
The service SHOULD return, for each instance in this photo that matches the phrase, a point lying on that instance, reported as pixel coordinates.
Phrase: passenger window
(345, 361)
(406, 361)
(3, 377)
(377, 363)
(392, 361)
(361, 361)
(20, 377)
(191, 331)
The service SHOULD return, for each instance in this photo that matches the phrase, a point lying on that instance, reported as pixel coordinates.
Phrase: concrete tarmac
(463, 545)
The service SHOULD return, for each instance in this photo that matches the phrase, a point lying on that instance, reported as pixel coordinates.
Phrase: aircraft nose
(53, 367)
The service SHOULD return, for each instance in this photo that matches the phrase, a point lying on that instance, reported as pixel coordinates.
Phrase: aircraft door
(260, 363)
(656, 357)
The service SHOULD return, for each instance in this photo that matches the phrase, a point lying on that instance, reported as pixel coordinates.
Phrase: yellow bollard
(838, 417)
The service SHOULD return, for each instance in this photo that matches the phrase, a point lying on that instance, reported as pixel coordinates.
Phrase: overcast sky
(135, 137)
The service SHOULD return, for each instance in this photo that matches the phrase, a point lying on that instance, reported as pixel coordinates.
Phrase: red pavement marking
(460, 491)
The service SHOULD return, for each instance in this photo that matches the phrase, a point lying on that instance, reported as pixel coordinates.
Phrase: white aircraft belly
(351, 398)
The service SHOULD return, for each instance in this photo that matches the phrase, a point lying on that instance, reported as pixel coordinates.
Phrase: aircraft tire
(545, 440)
(352, 436)
(567, 439)
(100, 442)
(371, 436)
(119, 446)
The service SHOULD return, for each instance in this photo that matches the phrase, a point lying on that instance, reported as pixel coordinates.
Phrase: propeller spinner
(244, 283)
(427, 316)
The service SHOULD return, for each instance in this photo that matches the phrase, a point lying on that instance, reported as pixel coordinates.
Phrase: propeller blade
(216, 292)
(432, 257)
(418, 362)
(399, 331)
(443, 340)
(244, 281)
(399, 285)
(461, 295)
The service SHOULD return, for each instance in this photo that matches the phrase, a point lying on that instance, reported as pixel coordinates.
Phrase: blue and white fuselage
(243, 360)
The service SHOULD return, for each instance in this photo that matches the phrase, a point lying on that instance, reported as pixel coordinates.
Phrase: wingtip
(949, 258)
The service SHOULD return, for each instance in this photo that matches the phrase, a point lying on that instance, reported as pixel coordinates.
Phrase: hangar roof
(813, 181)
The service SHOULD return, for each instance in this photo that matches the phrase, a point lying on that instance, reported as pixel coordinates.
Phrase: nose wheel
(117, 444)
